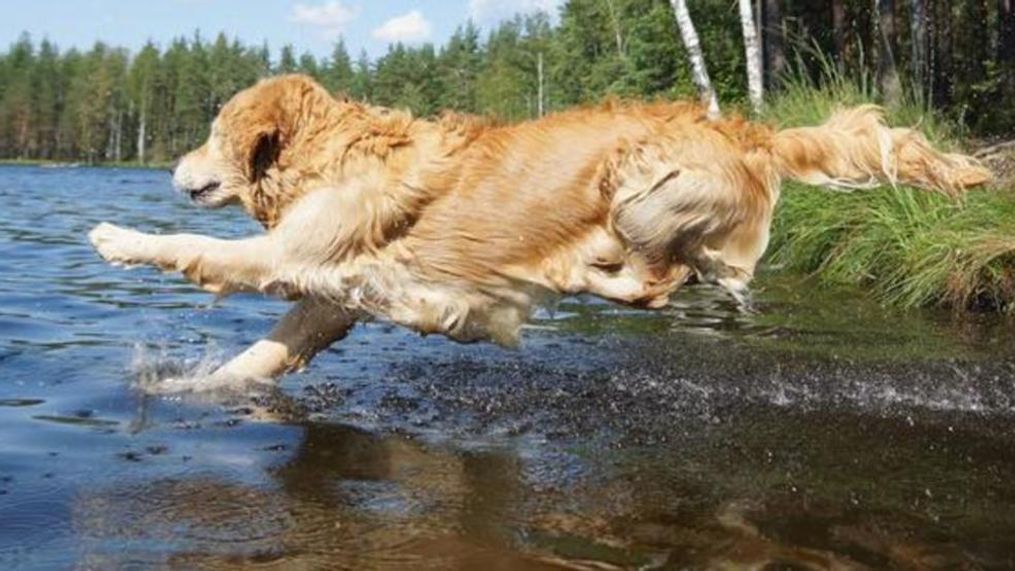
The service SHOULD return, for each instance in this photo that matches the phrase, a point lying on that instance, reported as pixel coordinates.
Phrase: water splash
(156, 371)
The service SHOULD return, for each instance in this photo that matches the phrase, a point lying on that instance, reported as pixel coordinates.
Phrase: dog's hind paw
(118, 246)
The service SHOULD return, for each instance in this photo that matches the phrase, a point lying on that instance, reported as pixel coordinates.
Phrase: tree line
(107, 104)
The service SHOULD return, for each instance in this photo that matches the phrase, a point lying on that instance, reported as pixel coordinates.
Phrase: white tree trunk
(690, 38)
(752, 49)
(141, 135)
(616, 28)
(539, 65)
(118, 147)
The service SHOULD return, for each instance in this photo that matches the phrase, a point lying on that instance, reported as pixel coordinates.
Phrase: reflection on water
(348, 498)
(823, 432)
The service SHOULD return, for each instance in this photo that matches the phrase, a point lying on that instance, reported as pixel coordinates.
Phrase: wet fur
(459, 226)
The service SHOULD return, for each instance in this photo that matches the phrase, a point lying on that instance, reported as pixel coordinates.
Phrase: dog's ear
(264, 154)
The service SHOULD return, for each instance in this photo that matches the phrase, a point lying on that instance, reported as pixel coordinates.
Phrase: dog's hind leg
(675, 207)
(735, 258)
(713, 268)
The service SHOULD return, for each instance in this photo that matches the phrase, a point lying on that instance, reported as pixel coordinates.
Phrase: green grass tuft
(910, 247)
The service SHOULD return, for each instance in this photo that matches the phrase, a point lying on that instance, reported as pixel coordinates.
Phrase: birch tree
(615, 19)
(142, 87)
(752, 51)
(690, 37)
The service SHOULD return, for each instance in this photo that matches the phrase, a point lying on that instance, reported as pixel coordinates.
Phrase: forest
(108, 104)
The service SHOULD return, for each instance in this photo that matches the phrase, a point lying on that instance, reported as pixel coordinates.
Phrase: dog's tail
(855, 148)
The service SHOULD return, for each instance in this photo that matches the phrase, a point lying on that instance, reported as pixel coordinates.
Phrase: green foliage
(459, 66)
(507, 83)
(407, 78)
(52, 108)
(718, 24)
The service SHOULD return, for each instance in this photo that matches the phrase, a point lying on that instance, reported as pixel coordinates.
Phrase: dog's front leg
(218, 266)
(309, 327)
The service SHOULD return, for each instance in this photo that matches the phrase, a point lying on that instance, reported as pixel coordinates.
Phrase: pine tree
(46, 90)
(501, 87)
(308, 65)
(91, 92)
(67, 143)
(286, 60)
(337, 75)
(18, 101)
(362, 79)
(191, 103)
(458, 66)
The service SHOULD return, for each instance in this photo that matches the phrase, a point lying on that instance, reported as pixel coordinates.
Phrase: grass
(911, 248)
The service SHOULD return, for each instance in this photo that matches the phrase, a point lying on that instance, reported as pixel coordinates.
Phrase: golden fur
(459, 226)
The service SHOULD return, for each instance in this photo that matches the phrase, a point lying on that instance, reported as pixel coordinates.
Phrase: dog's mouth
(199, 194)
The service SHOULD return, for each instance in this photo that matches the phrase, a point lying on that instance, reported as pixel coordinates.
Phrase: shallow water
(824, 430)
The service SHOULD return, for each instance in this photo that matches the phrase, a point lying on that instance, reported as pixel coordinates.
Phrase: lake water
(823, 431)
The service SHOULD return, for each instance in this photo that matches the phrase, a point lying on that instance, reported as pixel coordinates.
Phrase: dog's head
(256, 137)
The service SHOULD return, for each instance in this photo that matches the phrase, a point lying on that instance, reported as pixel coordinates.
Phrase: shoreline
(50, 163)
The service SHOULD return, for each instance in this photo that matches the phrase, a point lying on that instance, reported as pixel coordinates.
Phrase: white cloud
(331, 17)
(407, 28)
(489, 12)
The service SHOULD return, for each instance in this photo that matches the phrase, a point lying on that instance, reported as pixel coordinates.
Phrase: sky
(309, 25)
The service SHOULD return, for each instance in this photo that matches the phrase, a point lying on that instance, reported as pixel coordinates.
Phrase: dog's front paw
(118, 246)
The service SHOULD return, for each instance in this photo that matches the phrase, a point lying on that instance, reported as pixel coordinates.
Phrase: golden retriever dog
(461, 227)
